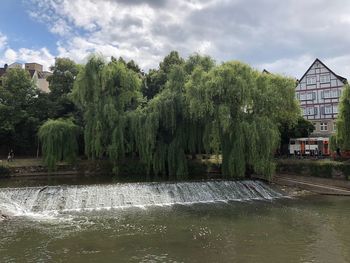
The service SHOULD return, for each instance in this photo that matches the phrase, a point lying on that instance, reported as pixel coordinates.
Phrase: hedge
(317, 168)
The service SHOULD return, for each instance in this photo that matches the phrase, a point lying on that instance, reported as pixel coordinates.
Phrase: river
(278, 229)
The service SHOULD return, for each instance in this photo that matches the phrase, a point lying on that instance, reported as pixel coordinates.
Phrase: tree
(303, 128)
(106, 93)
(196, 60)
(230, 109)
(163, 131)
(63, 74)
(61, 83)
(18, 119)
(59, 141)
(242, 110)
(155, 80)
(342, 137)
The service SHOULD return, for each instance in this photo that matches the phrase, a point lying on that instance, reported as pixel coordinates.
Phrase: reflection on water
(310, 229)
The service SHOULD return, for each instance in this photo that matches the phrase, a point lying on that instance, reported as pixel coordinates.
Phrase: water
(256, 226)
(29, 200)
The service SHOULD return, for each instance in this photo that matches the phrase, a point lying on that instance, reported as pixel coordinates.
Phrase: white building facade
(318, 92)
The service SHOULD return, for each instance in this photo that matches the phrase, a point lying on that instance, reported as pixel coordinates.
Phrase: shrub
(320, 168)
(4, 170)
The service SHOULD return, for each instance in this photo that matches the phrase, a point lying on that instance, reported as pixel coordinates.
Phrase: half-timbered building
(319, 91)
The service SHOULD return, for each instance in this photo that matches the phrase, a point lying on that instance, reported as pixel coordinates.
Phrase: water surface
(308, 229)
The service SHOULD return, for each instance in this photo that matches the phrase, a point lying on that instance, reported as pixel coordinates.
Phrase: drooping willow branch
(59, 141)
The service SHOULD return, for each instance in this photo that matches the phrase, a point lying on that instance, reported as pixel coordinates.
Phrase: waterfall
(21, 201)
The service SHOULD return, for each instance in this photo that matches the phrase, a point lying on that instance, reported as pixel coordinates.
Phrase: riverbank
(294, 177)
(129, 169)
(325, 176)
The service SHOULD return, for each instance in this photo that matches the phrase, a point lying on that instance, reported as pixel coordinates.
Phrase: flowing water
(215, 221)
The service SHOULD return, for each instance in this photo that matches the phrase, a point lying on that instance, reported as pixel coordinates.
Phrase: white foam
(48, 202)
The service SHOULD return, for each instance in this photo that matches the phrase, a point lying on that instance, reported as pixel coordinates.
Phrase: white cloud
(3, 41)
(60, 27)
(25, 55)
(281, 36)
(10, 55)
(295, 67)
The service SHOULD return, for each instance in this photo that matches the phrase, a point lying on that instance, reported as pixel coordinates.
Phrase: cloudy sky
(281, 36)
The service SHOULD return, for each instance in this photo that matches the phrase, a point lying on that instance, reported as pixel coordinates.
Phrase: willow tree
(342, 137)
(106, 93)
(163, 132)
(59, 141)
(228, 109)
(242, 110)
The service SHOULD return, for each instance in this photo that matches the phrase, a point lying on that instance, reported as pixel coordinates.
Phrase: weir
(21, 201)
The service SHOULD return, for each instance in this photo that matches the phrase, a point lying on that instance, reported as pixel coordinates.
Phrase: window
(315, 125)
(335, 93)
(334, 126)
(308, 96)
(327, 94)
(328, 109)
(310, 111)
(311, 96)
(311, 80)
(324, 126)
(325, 78)
(335, 109)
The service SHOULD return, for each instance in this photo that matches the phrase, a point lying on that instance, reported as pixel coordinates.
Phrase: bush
(197, 170)
(4, 170)
(319, 168)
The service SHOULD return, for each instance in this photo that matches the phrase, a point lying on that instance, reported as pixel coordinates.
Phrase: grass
(307, 161)
(23, 162)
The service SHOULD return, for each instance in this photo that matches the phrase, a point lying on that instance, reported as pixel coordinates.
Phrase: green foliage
(64, 72)
(156, 79)
(333, 144)
(242, 110)
(184, 107)
(59, 141)
(229, 109)
(4, 170)
(324, 168)
(342, 138)
(194, 61)
(23, 108)
(106, 93)
(19, 116)
(163, 132)
(302, 128)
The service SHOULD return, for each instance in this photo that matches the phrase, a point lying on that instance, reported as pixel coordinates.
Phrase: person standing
(12, 155)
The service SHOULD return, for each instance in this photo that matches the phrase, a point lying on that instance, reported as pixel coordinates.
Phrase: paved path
(313, 184)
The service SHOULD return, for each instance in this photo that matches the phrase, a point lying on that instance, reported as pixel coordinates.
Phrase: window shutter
(322, 94)
(315, 111)
(322, 110)
(313, 95)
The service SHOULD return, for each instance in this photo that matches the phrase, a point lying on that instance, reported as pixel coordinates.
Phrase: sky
(281, 36)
